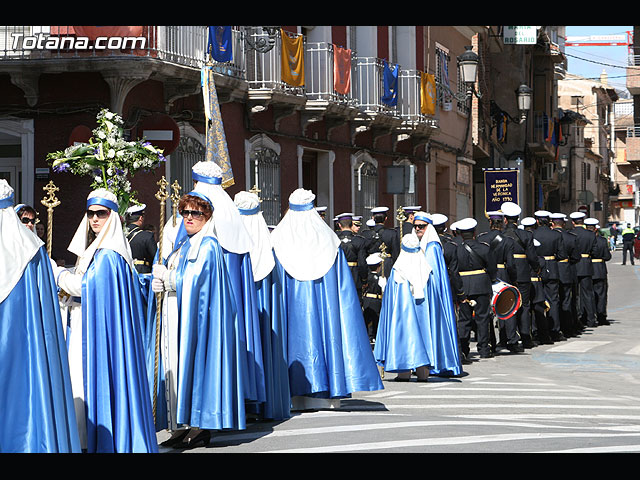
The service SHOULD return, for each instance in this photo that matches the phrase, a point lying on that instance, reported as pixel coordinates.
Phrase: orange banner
(427, 93)
(292, 59)
(341, 70)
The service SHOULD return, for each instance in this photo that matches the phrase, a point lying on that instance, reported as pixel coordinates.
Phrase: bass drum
(506, 300)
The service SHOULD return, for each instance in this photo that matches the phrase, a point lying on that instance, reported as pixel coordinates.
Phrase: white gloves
(162, 279)
(382, 282)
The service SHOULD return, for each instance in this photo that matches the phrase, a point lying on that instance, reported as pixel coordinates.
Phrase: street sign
(520, 35)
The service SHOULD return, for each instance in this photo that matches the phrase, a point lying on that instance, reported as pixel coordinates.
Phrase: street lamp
(524, 101)
(468, 68)
(564, 162)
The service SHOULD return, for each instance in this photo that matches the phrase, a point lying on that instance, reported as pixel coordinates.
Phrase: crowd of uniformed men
(557, 262)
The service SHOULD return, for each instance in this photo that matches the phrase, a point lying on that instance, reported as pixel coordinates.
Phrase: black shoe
(175, 438)
(545, 341)
(557, 337)
(515, 348)
(604, 321)
(486, 355)
(202, 439)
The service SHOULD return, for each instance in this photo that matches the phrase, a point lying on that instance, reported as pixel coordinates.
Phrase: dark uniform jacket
(478, 270)
(388, 237)
(567, 267)
(600, 255)
(503, 250)
(143, 247)
(450, 254)
(524, 252)
(355, 251)
(585, 244)
(372, 293)
(551, 249)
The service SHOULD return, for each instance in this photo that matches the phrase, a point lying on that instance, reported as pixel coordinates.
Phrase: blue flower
(63, 167)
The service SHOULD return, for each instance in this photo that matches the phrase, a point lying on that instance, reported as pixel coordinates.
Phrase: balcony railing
(184, 45)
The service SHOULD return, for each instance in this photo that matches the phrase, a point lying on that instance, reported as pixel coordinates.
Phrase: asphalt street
(576, 396)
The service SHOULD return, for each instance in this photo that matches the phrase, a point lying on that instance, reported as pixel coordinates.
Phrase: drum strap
(474, 254)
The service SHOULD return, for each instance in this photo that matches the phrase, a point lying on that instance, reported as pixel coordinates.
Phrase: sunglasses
(26, 220)
(101, 214)
(420, 226)
(194, 213)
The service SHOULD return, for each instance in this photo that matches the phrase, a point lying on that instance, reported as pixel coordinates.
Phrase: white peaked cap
(374, 259)
(303, 243)
(371, 222)
(577, 215)
(528, 221)
(439, 218)
(542, 213)
(261, 253)
(590, 221)
(466, 224)
(511, 209)
(136, 208)
(18, 244)
(558, 216)
(379, 209)
(321, 209)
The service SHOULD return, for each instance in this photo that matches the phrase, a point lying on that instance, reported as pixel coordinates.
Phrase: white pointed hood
(303, 243)
(18, 244)
(228, 226)
(412, 266)
(111, 237)
(262, 260)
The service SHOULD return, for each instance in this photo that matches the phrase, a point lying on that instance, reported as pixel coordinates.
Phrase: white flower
(111, 153)
(109, 171)
(108, 115)
(101, 134)
(98, 179)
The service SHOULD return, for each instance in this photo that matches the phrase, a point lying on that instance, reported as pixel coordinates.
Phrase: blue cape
(273, 331)
(211, 369)
(119, 410)
(403, 340)
(36, 403)
(328, 349)
(445, 356)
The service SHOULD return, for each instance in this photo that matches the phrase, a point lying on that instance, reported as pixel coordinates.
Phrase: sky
(590, 61)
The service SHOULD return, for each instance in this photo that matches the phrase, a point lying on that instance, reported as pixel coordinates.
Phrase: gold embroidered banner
(427, 93)
(292, 59)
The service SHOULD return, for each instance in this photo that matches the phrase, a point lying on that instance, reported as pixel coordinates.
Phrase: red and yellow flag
(292, 59)
(341, 70)
(427, 93)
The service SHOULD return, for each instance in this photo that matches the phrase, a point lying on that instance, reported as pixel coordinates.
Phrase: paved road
(578, 396)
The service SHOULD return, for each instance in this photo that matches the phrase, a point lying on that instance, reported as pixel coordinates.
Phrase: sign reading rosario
(500, 185)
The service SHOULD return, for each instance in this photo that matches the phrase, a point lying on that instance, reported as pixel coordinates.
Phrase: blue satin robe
(271, 310)
(211, 359)
(445, 356)
(403, 340)
(210, 377)
(36, 403)
(328, 348)
(119, 409)
(244, 290)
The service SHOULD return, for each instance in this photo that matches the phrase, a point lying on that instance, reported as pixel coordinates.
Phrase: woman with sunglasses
(36, 406)
(104, 337)
(202, 384)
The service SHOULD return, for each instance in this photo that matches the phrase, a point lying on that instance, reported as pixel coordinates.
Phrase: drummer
(503, 248)
(477, 267)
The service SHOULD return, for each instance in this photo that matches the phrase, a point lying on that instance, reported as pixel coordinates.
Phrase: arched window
(263, 173)
(364, 184)
(191, 150)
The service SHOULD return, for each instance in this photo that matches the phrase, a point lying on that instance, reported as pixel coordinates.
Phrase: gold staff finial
(400, 216)
(51, 201)
(162, 196)
(175, 198)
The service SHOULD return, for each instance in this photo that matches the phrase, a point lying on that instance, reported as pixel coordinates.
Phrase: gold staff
(383, 254)
(162, 196)
(50, 202)
(175, 198)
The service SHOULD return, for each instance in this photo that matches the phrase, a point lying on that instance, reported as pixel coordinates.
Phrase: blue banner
(219, 45)
(390, 85)
(500, 185)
